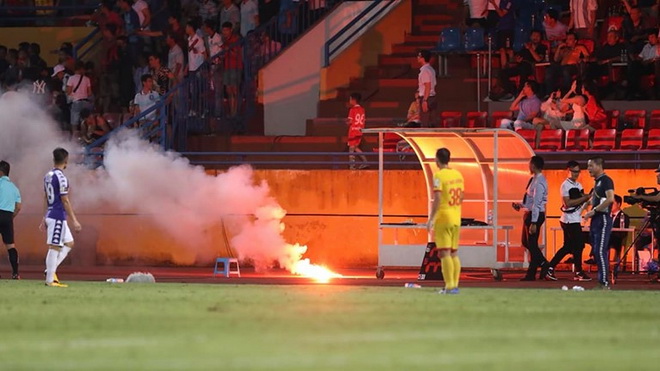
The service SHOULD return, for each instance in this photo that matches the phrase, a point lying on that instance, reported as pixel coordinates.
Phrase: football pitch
(167, 326)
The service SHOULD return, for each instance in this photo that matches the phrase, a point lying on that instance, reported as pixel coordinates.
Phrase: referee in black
(601, 218)
(10, 206)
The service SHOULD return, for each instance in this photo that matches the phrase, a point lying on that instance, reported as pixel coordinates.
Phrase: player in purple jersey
(58, 209)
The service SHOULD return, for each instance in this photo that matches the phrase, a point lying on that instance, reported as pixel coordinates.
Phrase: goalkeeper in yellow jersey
(445, 218)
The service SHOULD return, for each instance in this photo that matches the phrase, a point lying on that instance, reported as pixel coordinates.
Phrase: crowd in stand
(159, 41)
(613, 43)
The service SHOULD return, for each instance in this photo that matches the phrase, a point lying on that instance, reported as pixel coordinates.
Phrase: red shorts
(354, 141)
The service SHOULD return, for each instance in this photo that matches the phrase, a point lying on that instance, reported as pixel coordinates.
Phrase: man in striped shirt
(583, 18)
(534, 201)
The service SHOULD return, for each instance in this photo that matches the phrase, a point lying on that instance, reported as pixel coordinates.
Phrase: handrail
(84, 41)
(327, 47)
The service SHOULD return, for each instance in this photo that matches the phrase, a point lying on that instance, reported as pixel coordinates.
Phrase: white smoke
(182, 200)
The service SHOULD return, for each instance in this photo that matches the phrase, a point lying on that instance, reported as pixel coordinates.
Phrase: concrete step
(425, 39)
(411, 49)
(388, 72)
(431, 28)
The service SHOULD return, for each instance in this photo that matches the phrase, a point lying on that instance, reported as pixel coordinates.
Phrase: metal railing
(220, 96)
(348, 32)
(87, 44)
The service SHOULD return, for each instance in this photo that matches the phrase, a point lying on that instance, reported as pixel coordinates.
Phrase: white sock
(51, 264)
(64, 251)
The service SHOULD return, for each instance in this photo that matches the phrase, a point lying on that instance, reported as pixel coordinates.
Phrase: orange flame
(304, 268)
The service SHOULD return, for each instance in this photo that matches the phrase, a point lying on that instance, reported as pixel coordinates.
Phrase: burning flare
(304, 268)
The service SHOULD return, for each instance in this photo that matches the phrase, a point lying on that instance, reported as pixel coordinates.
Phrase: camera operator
(651, 198)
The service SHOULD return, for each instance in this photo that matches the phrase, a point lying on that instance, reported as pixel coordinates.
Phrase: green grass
(99, 326)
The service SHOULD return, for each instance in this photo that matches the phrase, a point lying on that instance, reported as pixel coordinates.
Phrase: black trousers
(531, 242)
(573, 244)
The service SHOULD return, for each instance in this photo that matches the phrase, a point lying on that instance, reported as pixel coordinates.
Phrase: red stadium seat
(636, 117)
(654, 139)
(476, 119)
(654, 122)
(577, 140)
(631, 139)
(451, 119)
(614, 119)
(498, 116)
(551, 140)
(604, 139)
(529, 136)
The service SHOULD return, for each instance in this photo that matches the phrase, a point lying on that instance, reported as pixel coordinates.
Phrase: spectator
(213, 39)
(34, 54)
(523, 65)
(93, 126)
(583, 18)
(109, 77)
(249, 16)
(177, 32)
(476, 13)
(647, 62)
(196, 48)
(175, 59)
(107, 16)
(267, 10)
(619, 220)
(230, 13)
(505, 24)
(555, 31)
(131, 27)
(269, 47)
(316, 8)
(145, 99)
(3, 61)
(125, 73)
(567, 57)
(233, 66)
(79, 90)
(160, 73)
(610, 52)
(528, 106)
(288, 19)
(196, 55)
(214, 43)
(58, 88)
(634, 27)
(208, 10)
(141, 69)
(144, 14)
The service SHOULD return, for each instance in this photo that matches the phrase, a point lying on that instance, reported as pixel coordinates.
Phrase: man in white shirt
(477, 10)
(214, 43)
(175, 59)
(583, 18)
(249, 16)
(196, 56)
(79, 92)
(573, 202)
(426, 82)
(145, 99)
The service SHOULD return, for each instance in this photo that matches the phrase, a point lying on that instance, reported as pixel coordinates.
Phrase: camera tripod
(654, 221)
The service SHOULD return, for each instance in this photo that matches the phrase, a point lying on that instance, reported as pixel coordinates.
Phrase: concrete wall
(290, 85)
(364, 52)
(333, 212)
(49, 38)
